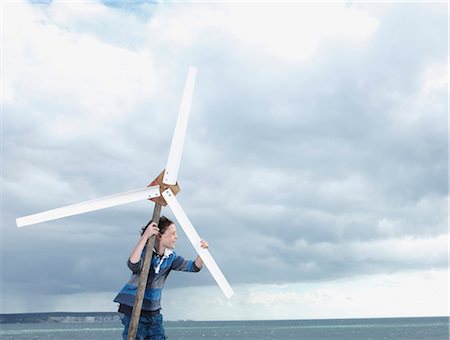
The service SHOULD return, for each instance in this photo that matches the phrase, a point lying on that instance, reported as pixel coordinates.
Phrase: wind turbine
(162, 191)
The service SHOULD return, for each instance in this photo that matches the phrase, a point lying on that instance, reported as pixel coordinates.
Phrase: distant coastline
(103, 317)
(60, 317)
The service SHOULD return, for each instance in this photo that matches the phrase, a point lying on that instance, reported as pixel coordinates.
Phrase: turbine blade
(176, 148)
(193, 236)
(95, 204)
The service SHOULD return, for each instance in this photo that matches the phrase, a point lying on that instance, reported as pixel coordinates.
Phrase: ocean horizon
(99, 326)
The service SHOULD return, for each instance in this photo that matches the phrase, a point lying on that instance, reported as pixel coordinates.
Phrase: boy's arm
(151, 230)
(182, 264)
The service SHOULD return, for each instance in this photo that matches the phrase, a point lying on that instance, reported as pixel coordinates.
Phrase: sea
(422, 328)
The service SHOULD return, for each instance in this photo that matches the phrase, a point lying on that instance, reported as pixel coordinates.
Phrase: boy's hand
(198, 261)
(151, 230)
(203, 244)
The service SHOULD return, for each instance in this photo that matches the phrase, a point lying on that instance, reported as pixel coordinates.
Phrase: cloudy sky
(315, 163)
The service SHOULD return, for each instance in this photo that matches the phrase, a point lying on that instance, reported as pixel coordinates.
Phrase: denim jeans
(149, 328)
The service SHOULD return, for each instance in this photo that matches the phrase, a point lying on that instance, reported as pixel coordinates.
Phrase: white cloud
(418, 293)
(295, 31)
(407, 249)
(70, 82)
(304, 143)
(424, 109)
(288, 31)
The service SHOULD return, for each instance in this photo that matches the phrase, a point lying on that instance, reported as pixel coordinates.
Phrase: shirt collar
(167, 253)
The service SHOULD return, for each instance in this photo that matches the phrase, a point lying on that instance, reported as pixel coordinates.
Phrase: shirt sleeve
(182, 264)
(137, 267)
(134, 267)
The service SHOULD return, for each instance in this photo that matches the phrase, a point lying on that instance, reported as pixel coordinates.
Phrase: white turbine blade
(193, 236)
(95, 204)
(176, 148)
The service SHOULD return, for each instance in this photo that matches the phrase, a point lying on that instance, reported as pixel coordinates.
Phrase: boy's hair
(163, 224)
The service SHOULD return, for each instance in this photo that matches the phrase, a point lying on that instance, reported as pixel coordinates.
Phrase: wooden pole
(143, 279)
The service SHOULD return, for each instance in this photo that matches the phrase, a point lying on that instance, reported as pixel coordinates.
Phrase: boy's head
(163, 224)
(167, 232)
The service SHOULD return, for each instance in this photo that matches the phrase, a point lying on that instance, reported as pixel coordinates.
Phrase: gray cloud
(294, 170)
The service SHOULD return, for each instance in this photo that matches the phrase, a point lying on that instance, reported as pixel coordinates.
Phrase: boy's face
(169, 238)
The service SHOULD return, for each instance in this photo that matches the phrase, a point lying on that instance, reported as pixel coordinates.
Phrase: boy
(164, 260)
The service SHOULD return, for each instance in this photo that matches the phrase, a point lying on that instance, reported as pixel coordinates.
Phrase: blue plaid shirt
(159, 270)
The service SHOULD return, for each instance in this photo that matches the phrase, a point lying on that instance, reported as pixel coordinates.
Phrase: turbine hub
(162, 186)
